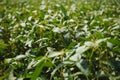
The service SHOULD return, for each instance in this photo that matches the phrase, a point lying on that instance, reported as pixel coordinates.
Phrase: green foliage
(59, 40)
(2, 46)
(38, 70)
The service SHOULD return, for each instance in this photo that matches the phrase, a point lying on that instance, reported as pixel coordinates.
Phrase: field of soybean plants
(59, 40)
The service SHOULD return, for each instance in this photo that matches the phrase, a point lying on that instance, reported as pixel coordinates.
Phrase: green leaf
(38, 70)
(115, 41)
(48, 63)
(98, 35)
(64, 11)
(3, 77)
(117, 50)
(2, 46)
(71, 45)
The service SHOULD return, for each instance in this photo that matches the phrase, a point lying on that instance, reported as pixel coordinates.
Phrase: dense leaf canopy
(59, 40)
